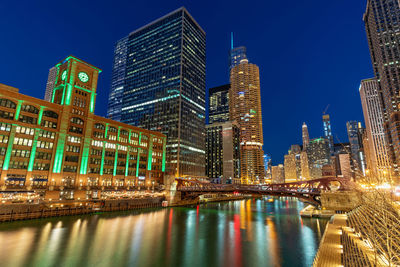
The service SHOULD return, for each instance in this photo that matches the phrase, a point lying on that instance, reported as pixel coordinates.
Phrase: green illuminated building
(64, 149)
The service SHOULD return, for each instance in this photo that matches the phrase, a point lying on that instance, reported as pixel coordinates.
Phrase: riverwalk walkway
(330, 251)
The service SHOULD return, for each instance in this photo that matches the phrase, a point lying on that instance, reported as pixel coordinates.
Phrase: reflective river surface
(238, 233)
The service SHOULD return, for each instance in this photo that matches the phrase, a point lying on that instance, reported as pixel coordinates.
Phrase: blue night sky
(310, 53)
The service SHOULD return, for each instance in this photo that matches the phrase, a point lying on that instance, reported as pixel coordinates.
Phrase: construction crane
(326, 109)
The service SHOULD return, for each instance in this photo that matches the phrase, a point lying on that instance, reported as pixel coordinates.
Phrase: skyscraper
(219, 103)
(51, 80)
(290, 167)
(117, 80)
(236, 55)
(245, 108)
(355, 140)
(306, 137)
(318, 153)
(223, 152)
(328, 131)
(381, 20)
(278, 174)
(161, 68)
(375, 143)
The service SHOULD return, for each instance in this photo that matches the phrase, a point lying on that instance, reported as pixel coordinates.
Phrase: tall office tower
(219, 103)
(381, 20)
(355, 140)
(375, 142)
(328, 131)
(344, 162)
(236, 55)
(267, 166)
(117, 80)
(245, 108)
(164, 87)
(290, 167)
(318, 153)
(306, 137)
(304, 166)
(51, 80)
(223, 152)
(278, 174)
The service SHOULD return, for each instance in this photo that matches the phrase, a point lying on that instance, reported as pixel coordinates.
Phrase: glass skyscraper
(219, 103)
(159, 77)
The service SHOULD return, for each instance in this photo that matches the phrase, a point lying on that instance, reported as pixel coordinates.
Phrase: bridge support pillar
(172, 195)
(340, 200)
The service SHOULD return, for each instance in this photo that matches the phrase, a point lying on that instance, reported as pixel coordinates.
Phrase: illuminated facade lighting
(162, 87)
(63, 148)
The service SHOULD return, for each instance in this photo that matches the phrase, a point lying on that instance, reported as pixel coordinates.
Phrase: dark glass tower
(164, 87)
(219, 103)
(326, 120)
(117, 80)
(382, 25)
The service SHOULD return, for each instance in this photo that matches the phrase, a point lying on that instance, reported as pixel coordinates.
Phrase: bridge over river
(309, 191)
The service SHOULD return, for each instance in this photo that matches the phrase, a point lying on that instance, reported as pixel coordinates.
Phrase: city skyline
(99, 50)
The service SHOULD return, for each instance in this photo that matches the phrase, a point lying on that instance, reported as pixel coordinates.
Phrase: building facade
(290, 168)
(62, 148)
(278, 174)
(117, 80)
(236, 55)
(381, 23)
(245, 108)
(354, 133)
(51, 79)
(305, 136)
(375, 143)
(318, 153)
(223, 152)
(163, 79)
(219, 103)
(326, 121)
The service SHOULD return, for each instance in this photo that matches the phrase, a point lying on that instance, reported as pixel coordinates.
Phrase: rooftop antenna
(231, 40)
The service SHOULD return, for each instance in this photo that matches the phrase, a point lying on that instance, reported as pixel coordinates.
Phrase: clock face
(83, 77)
(64, 75)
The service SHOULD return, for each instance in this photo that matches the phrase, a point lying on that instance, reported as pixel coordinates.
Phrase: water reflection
(239, 233)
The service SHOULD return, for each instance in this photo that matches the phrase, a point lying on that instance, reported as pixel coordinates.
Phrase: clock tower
(75, 90)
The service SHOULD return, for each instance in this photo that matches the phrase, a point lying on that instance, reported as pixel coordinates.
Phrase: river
(250, 232)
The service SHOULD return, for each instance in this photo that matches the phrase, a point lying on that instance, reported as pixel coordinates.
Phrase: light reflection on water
(239, 233)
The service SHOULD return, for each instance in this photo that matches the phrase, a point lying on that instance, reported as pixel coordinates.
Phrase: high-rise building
(161, 68)
(290, 168)
(51, 79)
(381, 23)
(219, 103)
(236, 55)
(118, 80)
(278, 174)
(306, 137)
(318, 153)
(304, 166)
(61, 147)
(245, 108)
(223, 152)
(354, 132)
(375, 146)
(328, 131)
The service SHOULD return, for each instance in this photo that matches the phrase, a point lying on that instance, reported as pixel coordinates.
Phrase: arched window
(50, 114)
(7, 103)
(99, 126)
(77, 120)
(113, 129)
(30, 109)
